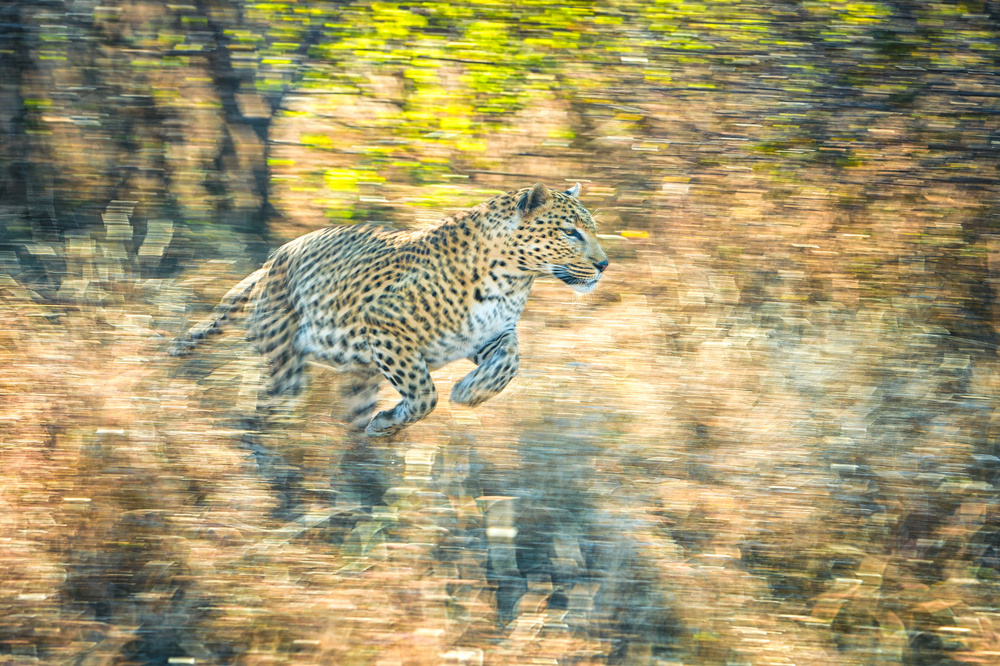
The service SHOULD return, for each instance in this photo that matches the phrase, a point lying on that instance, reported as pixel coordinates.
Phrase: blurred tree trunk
(138, 102)
(15, 64)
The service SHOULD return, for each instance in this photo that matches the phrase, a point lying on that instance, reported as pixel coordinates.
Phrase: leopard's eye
(574, 233)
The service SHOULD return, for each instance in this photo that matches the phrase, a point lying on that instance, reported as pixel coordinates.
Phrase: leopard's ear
(574, 191)
(534, 198)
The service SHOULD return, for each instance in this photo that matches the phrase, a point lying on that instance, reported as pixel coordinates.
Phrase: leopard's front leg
(497, 363)
(407, 371)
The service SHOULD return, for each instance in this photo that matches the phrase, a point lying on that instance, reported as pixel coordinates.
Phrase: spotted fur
(396, 305)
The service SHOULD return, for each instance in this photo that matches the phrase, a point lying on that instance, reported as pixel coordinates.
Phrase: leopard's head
(555, 235)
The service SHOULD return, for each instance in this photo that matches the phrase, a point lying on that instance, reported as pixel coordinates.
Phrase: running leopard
(395, 305)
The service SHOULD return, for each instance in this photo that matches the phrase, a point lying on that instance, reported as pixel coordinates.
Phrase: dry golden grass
(697, 465)
(769, 437)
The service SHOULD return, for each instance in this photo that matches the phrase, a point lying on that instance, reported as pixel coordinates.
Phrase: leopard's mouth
(579, 284)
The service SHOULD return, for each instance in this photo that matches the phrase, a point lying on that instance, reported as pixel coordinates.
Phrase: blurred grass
(696, 465)
(770, 436)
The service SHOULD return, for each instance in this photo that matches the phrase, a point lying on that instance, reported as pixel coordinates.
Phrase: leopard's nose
(601, 265)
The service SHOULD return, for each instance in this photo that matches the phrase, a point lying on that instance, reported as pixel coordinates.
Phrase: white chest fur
(494, 314)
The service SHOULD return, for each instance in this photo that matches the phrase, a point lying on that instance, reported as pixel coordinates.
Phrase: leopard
(377, 303)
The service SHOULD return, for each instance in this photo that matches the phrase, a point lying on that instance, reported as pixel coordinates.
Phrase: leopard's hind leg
(358, 395)
(274, 325)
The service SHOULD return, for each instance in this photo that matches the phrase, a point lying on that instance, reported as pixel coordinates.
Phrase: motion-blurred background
(769, 437)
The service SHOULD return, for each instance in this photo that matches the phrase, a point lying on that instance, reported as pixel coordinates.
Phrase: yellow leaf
(634, 234)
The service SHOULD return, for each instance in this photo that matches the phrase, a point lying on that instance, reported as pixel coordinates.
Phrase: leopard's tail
(231, 307)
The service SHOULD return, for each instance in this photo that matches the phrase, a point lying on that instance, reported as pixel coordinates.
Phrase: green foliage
(463, 70)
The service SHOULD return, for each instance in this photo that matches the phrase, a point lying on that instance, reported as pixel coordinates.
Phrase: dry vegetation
(692, 468)
(769, 437)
